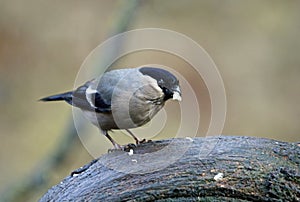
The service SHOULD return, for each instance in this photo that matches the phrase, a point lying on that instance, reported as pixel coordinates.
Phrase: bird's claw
(127, 147)
(142, 141)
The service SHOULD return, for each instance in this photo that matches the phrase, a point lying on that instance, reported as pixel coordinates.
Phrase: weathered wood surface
(253, 169)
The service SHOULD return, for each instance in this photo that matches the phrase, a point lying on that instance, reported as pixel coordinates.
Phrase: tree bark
(199, 169)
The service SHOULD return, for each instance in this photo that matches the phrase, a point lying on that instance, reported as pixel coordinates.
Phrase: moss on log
(199, 169)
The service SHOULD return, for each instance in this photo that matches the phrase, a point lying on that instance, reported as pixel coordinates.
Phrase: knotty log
(206, 169)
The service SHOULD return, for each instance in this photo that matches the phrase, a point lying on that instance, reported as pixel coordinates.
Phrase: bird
(123, 99)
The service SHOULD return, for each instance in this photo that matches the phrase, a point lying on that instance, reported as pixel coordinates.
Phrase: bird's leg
(116, 145)
(137, 140)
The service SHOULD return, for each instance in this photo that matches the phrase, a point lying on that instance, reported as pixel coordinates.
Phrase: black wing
(96, 102)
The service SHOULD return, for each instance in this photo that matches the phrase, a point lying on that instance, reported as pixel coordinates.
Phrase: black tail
(59, 97)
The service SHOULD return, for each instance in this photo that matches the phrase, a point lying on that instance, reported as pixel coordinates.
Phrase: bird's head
(165, 80)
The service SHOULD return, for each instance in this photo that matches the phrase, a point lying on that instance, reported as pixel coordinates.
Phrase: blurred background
(255, 45)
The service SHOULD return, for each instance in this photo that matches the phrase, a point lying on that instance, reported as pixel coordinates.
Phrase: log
(207, 169)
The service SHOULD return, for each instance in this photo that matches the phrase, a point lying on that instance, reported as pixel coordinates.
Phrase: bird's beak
(177, 96)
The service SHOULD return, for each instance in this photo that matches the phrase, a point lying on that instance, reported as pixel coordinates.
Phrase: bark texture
(199, 169)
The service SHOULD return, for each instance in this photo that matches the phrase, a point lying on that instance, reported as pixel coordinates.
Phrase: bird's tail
(59, 97)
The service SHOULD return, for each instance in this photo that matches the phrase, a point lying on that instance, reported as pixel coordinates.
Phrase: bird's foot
(128, 147)
(113, 150)
(142, 141)
(117, 147)
(137, 140)
(125, 148)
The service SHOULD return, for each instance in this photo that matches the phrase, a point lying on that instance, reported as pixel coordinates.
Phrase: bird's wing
(86, 98)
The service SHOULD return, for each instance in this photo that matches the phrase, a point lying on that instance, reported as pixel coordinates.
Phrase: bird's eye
(168, 94)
